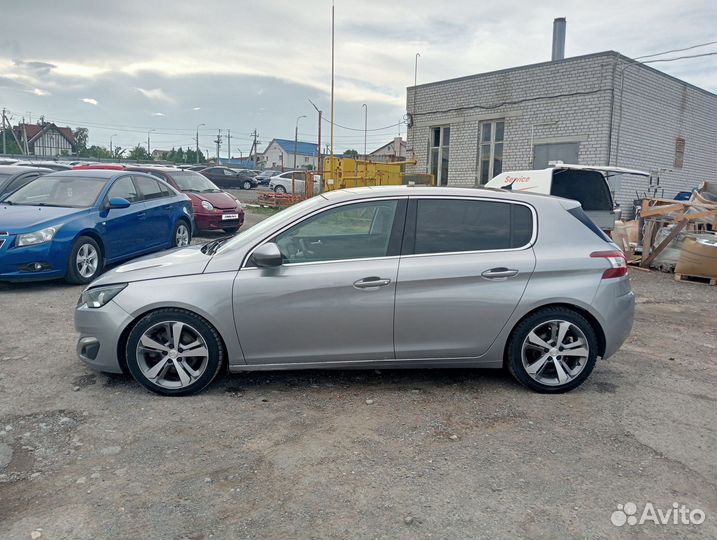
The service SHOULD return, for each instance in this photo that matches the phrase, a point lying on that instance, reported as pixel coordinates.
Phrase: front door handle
(141, 215)
(371, 282)
(499, 273)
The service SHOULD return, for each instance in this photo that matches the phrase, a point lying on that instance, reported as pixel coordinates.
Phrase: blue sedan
(71, 224)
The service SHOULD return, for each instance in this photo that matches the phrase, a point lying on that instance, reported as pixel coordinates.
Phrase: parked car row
(71, 224)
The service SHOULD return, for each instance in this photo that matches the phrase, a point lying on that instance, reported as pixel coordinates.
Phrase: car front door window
(355, 231)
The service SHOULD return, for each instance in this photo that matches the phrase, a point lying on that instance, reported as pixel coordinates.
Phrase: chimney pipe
(558, 38)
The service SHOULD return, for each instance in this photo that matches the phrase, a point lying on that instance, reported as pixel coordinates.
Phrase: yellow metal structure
(344, 172)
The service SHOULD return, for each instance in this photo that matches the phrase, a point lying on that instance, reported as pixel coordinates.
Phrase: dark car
(213, 208)
(71, 224)
(13, 177)
(264, 176)
(224, 177)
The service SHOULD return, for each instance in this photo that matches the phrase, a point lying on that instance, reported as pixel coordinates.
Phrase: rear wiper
(211, 247)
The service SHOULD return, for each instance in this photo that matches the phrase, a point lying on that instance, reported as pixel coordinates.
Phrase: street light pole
(111, 149)
(197, 156)
(319, 164)
(365, 129)
(296, 136)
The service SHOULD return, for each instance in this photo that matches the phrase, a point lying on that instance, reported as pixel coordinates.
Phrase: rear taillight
(618, 263)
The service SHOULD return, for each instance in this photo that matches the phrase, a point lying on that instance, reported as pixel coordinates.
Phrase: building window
(490, 149)
(438, 155)
(679, 152)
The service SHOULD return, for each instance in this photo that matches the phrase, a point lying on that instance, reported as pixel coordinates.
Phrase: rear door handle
(499, 273)
(371, 282)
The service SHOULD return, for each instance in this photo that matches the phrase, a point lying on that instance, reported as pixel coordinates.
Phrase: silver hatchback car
(371, 278)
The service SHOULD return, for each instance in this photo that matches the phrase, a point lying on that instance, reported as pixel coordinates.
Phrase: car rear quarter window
(452, 225)
(150, 188)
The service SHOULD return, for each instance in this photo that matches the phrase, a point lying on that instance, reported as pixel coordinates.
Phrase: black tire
(231, 230)
(280, 190)
(175, 233)
(208, 333)
(514, 351)
(246, 184)
(73, 272)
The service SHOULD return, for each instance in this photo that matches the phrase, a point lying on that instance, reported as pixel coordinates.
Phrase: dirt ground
(358, 454)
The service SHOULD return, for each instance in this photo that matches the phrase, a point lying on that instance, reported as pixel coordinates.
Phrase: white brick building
(598, 109)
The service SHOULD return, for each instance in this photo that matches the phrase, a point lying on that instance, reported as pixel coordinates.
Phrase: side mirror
(267, 256)
(118, 202)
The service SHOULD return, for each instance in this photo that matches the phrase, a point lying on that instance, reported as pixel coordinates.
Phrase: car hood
(218, 200)
(20, 219)
(175, 262)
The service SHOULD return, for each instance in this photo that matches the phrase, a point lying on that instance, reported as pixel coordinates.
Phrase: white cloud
(90, 101)
(156, 94)
(196, 108)
(158, 114)
(40, 92)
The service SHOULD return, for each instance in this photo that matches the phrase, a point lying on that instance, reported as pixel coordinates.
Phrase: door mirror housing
(118, 202)
(267, 256)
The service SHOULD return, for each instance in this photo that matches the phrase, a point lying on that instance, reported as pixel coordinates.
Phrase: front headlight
(99, 296)
(37, 237)
(207, 205)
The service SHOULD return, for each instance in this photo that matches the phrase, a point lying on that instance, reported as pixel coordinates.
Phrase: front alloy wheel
(174, 352)
(246, 185)
(182, 236)
(85, 262)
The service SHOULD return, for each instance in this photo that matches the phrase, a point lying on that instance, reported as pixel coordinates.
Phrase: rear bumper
(616, 304)
(100, 330)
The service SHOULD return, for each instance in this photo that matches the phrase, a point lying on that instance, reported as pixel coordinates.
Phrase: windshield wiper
(10, 203)
(192, 190)
(211, 247)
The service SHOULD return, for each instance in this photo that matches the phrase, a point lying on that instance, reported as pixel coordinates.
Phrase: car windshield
(63, 191)
(194, 182)
(260, 229)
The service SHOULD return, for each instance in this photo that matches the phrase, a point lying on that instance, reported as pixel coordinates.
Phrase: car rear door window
(454, 225)
(125, 189)
(354, 231)
(150, 188)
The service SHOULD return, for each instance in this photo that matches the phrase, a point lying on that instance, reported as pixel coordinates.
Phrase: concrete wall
(651, 111)
(576, 95)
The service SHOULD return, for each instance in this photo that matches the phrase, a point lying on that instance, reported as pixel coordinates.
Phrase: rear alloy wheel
(246, 184)
(553, 350)
(174, 352)
(280, 190)
(182, 235)
(85, 262)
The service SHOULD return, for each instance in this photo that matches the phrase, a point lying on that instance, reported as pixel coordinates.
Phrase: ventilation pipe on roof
(558, 38)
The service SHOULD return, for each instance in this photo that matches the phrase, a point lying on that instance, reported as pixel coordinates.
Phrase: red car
(213, 208)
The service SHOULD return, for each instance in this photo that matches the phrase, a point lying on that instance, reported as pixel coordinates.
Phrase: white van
(589, 185)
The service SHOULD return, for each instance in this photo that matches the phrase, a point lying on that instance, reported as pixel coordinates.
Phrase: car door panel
(124, 233)
(157, 220)
(313, 312)
(446, 308)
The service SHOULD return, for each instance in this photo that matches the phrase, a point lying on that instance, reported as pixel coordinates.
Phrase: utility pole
(365, 128)
(229, 143)
(111, 151)
(149, 152)
(4, 148)
(296, 136)
(332, 84)
(254, 149)
(218, 142)
(197, 156)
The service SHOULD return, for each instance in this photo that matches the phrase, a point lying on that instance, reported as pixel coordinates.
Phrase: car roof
(436, 191)
(15, 169)
(90, 173)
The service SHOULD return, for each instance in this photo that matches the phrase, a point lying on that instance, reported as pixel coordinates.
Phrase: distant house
(159, 154)
(390, 152)
(279, 154)
(46, 139)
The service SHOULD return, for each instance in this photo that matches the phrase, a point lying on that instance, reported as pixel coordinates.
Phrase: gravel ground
(351, 454)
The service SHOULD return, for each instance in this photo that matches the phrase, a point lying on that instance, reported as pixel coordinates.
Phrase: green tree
(81, 136)
(99, 152)
(139, 153)
(351, 154)
(10, 144)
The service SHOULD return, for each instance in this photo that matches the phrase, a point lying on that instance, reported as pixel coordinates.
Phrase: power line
(392, 126)
(675, 50)
(679, 58)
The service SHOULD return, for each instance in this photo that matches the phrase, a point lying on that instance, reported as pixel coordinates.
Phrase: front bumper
(100, 330)
(213, 220)
(18, 264)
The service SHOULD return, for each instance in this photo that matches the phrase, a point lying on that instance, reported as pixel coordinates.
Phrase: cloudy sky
(126, 67)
